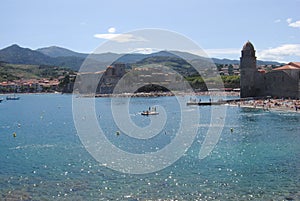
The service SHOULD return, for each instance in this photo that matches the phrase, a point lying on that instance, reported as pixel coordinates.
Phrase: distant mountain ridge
(57, 56)
(54, 51)
(15, 54)
(18, 55)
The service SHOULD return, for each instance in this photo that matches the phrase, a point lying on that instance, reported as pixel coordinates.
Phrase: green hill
(17, 55)
(55, 51)
(57, 56)
(9, 72)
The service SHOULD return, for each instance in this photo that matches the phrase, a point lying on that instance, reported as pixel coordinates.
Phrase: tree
(230, 69)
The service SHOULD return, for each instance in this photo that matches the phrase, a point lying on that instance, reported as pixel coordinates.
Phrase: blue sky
(219, 27)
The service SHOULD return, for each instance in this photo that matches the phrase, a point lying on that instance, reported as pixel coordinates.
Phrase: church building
(281, 82)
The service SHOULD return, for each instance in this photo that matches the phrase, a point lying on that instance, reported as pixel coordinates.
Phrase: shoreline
(159, 94)
(141, 94)
(269, 104)
(284, 105)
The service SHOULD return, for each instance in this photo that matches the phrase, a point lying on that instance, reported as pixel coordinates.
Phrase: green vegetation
(196, 82)
(177, 64)
(10, 72)
(230, 81)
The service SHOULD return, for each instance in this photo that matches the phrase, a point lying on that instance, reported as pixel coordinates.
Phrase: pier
(222, 102)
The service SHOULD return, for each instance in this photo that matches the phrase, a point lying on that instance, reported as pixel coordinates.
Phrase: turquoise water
(259, 160)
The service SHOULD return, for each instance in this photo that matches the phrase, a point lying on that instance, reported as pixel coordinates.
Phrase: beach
(289, 105)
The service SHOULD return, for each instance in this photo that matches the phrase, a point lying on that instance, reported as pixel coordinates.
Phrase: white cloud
(146, 50)
(277, 21)
(295, 24)
(280, 53)
(111, 30)
(121, 38)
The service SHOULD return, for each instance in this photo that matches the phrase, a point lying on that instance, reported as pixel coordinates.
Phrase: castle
(280, 82)
(110, 78)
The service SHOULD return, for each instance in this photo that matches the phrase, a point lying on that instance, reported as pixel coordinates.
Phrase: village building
(29, 85)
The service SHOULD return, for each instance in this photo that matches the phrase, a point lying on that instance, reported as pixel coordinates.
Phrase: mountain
(133, 58)
(15, 54)
(18, 55)
(57, 56)
(189, 56)
(55, 51)
(260, 62)
(225, 61)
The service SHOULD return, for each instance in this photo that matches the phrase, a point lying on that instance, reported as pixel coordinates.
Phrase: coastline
(141, 94)
(158, 94)
(284, 105)
(270, 104)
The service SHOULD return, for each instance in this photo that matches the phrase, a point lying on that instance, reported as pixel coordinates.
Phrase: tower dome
(248, 71)
(248, 46)
(248, 50)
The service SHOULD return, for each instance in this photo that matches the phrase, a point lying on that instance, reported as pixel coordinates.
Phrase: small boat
(14, 97)
(1, 99)
(151, 111)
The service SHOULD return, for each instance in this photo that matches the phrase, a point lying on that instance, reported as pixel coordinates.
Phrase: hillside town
(61, 84)
(109, 79)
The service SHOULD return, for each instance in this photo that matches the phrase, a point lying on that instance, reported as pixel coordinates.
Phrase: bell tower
(248, 71)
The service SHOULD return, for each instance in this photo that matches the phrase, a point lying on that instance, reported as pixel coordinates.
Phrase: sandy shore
(157, 94)
(288, 105)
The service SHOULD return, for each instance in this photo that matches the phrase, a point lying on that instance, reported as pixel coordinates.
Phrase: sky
(219, 27)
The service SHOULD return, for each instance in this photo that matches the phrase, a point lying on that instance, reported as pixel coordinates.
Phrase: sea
(42, 156)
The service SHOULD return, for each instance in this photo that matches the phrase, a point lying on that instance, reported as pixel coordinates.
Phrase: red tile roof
(290, 66)
(296, 64)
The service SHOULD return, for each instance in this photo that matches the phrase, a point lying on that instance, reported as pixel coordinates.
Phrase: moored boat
(14, 97)
(151, 111)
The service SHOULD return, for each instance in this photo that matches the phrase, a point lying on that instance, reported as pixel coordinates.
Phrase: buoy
(231, 129)
(118, 133)
(14, 134)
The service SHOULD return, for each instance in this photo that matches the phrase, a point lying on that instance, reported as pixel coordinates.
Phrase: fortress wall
(280, 84)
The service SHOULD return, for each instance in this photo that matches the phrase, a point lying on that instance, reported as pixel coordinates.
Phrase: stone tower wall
(248, 71)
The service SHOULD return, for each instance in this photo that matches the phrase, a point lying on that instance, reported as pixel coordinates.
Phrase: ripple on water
(259, 160)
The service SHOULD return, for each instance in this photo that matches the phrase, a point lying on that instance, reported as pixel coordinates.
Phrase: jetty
(204, 103)
(219, 102)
